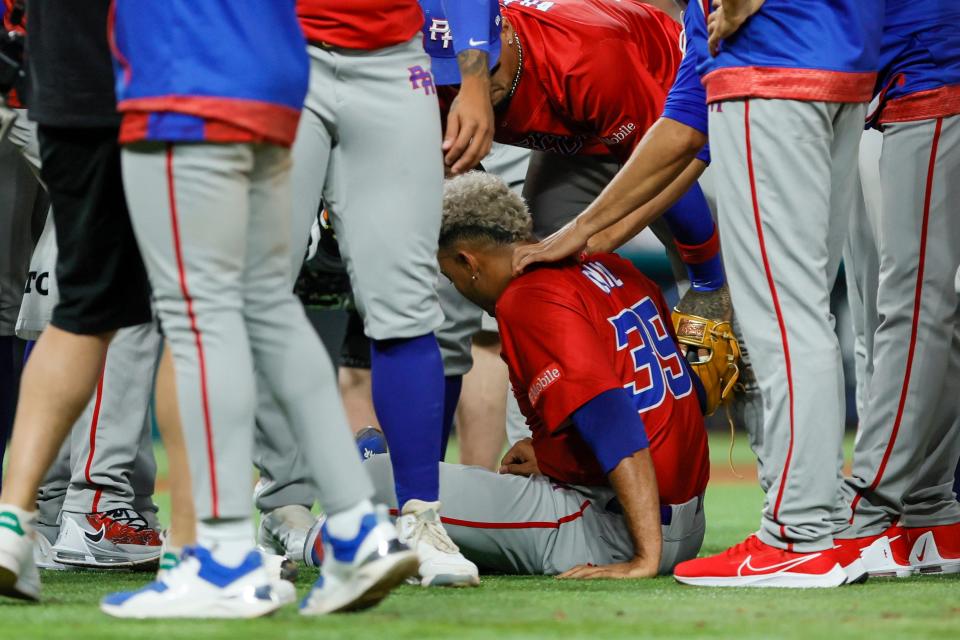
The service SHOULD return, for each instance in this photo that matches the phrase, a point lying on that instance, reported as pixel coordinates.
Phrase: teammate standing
(785, 125)
(368, 72)
(102, 283)
(207, 165)
(903, 514)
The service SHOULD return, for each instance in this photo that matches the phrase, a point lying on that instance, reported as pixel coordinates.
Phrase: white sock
(26, 519)
(346, 524)
(229, 541)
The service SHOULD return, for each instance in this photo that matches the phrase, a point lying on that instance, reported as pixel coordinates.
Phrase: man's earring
(475, 276)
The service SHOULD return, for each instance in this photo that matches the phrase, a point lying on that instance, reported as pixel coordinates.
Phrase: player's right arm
(612, 427)
(469, 131)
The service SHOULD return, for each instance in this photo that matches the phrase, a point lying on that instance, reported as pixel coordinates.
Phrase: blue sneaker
(200, 587)
(359, 573)
(370, 441)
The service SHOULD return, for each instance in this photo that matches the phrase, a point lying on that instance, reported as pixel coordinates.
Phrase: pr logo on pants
(420, 78)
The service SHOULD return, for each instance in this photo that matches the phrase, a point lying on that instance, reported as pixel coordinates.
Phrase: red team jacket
(595, 75)
(572, 331)
(359, 24)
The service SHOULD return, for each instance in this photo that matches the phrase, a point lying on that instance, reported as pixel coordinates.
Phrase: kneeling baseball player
(611, 483)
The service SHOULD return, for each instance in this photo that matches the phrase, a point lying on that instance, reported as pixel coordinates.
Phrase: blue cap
(475, 29)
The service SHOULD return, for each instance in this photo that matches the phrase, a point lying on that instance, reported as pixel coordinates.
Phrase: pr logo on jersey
(543, 380)
(420, 78)
(440, 30)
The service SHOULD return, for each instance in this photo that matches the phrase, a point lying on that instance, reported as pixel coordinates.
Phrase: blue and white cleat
(200, 587)
(359, 573)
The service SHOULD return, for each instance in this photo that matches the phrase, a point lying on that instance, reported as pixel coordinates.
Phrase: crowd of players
(186, 149)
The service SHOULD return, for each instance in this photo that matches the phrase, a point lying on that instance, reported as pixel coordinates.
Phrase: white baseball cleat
(19, 577)
(200, 587)
(116, 539)
(284, 531)
(43, 555)
(441, 563)
(884, 555)
(357, 574)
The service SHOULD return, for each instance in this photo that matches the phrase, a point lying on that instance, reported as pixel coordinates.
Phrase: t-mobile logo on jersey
(420, 78)
(440, 29)
(620, 134)
(601, 276)
(545, 378)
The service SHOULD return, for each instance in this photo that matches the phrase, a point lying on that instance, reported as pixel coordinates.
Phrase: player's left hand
(728, 16)
(469, 127)
(638, 568)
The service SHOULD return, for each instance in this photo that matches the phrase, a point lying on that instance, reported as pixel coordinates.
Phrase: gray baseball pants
(786, 182)
(107, 462)
(213, 224)
(520, 525)
(368, 145)
(908, 441)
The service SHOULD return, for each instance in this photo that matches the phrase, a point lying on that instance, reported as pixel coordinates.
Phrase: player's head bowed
(483, 222)
(480, 206)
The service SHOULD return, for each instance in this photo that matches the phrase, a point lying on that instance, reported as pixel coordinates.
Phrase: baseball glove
(713, 353)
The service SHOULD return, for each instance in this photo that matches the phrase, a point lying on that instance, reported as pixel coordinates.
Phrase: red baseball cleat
(849, 559)
(753, 563)
(935, 549)
(885, 555)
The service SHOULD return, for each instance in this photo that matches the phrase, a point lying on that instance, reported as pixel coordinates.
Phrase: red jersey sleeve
(615, 96)
(552, 349)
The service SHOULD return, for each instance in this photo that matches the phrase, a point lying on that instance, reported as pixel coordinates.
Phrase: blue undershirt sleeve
(613, 428)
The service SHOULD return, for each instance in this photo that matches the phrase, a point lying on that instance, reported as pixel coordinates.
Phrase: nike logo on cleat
(774, 568)
(923, 552)
(94, 537)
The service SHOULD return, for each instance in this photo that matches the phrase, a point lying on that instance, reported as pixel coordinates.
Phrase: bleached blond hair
(480, 205)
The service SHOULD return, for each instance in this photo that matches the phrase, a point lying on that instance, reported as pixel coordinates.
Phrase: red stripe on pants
(535, 524)
(776, 306)
(178, 252)
(95, 507)
(918, 291)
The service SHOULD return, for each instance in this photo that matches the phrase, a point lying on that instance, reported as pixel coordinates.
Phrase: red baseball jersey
(572, 331)
(595, 75)
(360, 24)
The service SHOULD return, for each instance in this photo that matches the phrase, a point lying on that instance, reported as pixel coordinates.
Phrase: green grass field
(535, 607)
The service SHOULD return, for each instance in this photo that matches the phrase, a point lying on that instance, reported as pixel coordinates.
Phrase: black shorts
(102, 281)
